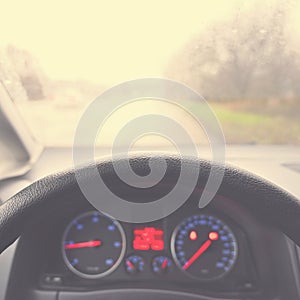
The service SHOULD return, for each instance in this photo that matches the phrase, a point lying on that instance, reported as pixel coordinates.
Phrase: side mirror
(18, 148)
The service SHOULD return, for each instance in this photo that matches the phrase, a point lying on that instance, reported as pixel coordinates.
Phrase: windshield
(242, 56)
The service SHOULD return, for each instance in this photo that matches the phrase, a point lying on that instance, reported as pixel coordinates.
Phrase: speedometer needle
(213, 236)
(90, 244)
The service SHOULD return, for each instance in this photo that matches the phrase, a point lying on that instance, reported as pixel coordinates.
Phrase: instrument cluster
(200, 246)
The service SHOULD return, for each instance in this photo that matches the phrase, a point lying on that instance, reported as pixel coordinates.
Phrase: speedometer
(93, 245)
(204, 247)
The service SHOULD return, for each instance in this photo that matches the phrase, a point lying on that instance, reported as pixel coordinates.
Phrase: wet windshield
(242, 56)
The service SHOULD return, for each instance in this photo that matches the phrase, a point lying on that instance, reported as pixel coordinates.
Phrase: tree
(248, 57)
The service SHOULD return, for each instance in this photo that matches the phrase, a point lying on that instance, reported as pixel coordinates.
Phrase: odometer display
(204, 247)
(93, 245)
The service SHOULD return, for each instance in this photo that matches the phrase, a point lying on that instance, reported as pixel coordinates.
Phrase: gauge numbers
(204, 247)
(93, 245)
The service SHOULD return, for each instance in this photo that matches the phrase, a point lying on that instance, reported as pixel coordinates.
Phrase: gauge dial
(93, 245)
(204, 247)
(161, 264)
(134, 264)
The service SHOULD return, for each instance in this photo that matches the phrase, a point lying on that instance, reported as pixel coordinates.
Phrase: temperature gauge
(161, 264)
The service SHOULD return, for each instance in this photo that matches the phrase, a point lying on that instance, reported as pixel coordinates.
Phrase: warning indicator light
(148, 238)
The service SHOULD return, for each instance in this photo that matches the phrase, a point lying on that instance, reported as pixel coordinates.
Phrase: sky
(106, 41)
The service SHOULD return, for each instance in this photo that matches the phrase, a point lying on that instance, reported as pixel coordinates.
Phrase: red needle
(164, 264)
(90, 244)
(130, 264)
(213, 236)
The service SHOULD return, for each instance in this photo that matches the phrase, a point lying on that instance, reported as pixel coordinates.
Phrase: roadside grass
(243, 122)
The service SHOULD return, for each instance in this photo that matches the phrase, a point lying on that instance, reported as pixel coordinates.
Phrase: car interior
(163, 163)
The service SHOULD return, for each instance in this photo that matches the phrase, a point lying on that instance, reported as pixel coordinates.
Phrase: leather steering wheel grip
(261, 197)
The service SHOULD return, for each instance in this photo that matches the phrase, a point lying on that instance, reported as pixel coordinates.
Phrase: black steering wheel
(262, 198)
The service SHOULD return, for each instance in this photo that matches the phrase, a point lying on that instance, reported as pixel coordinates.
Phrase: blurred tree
(247, 57)
(9, 78)
(21, 75)
(31, 76)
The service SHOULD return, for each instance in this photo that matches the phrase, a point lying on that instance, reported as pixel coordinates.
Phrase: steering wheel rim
(261, 197)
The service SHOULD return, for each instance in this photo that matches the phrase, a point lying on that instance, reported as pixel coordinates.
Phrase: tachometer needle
(213, 236)
(90, 244)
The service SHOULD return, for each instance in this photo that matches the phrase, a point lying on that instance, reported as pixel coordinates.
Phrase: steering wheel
(262, 198)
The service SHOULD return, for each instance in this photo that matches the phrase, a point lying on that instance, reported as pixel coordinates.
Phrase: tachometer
(204, 247)
(93, 245)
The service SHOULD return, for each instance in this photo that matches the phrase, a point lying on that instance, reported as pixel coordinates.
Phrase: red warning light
(148, 238)
(213, 236)
(193, 235)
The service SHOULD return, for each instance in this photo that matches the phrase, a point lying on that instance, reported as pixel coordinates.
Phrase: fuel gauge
(134, 264)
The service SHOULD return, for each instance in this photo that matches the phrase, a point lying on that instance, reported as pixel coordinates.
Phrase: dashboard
(223, 251)
(200, 247)
(211, 251)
